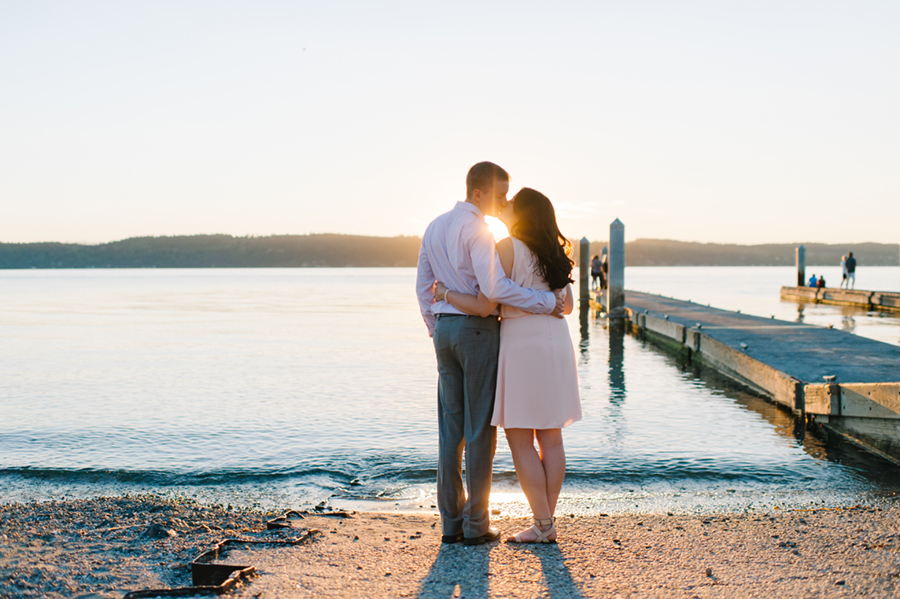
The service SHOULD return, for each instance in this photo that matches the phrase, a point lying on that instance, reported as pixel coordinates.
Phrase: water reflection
(861, 463)
(616, 329)
(800, 309)
(848, 323)
(583, 344)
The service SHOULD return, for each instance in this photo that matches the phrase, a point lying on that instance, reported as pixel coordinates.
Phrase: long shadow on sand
(455, 565)
(559, 581)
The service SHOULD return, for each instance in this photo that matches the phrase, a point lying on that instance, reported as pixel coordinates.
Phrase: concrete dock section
(846, 383)
(867, 300)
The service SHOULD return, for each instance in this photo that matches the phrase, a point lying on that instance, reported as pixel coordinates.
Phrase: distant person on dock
(821, 283)
(813, 281)
(537, 381)
(596, 272)
(604, 274)
(458, 249)
(851, 271)
(843, 271)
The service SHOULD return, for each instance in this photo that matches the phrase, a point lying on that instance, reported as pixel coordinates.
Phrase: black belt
(440, 316)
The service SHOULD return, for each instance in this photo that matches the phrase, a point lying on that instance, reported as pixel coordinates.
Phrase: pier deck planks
(803, 351)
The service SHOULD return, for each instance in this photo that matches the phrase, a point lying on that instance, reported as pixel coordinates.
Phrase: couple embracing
(504, 354)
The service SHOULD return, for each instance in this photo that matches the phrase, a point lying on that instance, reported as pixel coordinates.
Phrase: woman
(843, 271)
(537, 386)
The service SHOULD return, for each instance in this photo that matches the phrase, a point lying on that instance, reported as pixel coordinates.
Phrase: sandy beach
(108, 547)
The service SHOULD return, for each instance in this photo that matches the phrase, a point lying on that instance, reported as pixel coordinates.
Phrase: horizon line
(313, 234)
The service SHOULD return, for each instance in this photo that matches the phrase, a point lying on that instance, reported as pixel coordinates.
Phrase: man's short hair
(482, 176)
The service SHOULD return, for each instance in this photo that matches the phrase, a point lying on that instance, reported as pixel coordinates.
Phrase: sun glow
(498, 229)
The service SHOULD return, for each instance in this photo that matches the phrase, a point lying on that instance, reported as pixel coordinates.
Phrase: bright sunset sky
(719, 121)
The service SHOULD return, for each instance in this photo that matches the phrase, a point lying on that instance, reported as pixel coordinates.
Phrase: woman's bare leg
(553, 459)
(530, 471)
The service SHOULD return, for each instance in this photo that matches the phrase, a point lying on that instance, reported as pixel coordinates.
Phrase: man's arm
(498, 288)
(424, 288)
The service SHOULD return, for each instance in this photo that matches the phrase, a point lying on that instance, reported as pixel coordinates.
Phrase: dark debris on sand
(105, 547)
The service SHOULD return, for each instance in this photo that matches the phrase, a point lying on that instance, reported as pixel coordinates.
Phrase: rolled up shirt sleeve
(497, 287)
(424, 282)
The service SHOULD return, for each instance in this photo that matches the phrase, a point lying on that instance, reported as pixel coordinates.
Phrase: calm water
(276, 387)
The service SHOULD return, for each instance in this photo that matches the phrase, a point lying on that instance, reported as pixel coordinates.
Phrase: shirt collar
(469, 207)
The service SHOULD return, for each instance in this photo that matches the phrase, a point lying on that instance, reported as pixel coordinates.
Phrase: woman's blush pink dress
(537, 383)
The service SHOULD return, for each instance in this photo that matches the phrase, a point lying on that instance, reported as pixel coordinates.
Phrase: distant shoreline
(333, 250)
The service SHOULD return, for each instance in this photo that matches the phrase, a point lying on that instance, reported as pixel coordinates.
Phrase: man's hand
(440, 292)
(560, 303)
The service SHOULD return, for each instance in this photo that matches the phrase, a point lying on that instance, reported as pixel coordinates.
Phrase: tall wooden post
(801, 266)
(615, 298)
(584, 271)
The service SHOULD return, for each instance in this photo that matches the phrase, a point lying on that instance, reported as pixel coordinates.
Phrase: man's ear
(477, 196)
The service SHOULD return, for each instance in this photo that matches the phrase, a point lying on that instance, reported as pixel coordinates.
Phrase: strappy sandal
(541, 535)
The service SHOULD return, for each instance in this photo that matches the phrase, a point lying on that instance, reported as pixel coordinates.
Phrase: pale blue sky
(719, 121)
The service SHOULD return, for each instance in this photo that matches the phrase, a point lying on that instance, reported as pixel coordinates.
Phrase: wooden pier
(848, 384)
(867, 300)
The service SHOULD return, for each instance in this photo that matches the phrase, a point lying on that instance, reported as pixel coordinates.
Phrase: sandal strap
(547, 522)
(543, 535)
(518, 536)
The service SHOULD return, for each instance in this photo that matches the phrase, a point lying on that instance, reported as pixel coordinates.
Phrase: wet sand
(107, 547)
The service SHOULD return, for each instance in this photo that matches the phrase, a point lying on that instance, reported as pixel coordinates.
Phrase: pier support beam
(801, 266)
(615, 298)
(585, 291)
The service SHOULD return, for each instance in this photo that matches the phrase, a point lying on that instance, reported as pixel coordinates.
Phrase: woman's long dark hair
(536, 227)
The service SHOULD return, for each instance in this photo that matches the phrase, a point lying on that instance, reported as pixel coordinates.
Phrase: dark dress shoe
(452, 538)
(493, 534)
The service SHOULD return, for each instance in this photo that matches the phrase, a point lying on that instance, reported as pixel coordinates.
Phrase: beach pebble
(158, 531)
(202, 529)
(709, 572)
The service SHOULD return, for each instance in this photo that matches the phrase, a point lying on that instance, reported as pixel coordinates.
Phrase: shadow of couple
(468, 569)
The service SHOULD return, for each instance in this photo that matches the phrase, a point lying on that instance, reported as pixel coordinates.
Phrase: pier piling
(584, 271)
(615, 291)
(801, 266)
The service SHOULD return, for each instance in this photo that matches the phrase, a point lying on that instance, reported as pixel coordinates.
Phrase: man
(458, 250)
(851, 271)
(596, 272)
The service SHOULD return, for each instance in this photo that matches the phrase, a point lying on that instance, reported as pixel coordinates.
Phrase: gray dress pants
(466, 348)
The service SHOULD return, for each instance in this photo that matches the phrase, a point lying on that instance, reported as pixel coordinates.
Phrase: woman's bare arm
(569, 301)
(475, 305)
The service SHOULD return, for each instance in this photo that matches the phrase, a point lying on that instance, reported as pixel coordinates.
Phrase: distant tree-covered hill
(225, 251)
(216, 251)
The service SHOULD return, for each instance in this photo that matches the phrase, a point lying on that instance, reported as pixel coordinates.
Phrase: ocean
(279, 388)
